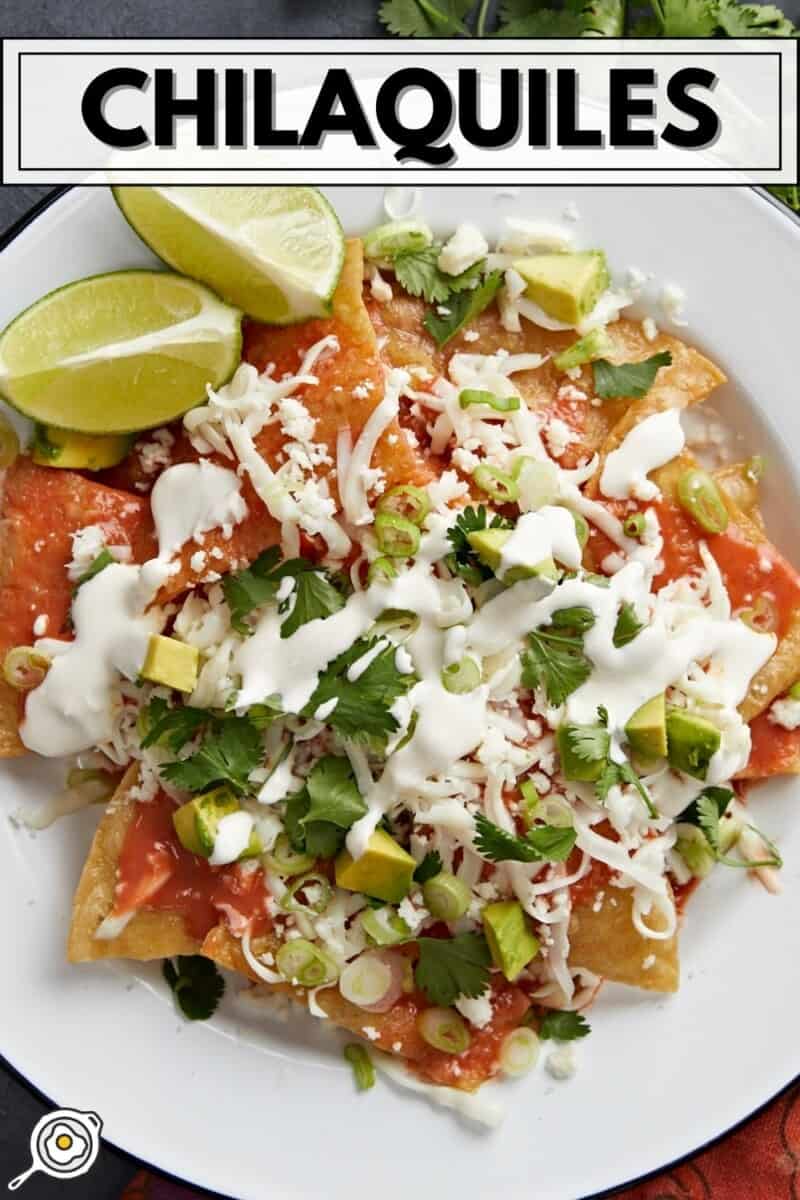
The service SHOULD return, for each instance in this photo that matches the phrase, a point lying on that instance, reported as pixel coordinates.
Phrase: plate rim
(28, 218)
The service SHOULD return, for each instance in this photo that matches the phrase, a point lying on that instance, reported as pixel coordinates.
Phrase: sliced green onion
(754, 468)
(291, 901)
(519, 1051)
(444, 1029)
(537, 481)
(496, 483)
(366, 980)
(694, 849)
(555, 810)
(384, 926)
(101, 785)
(763, 616)
(398, 621)
(581, 528)
(397, 536)
(386, 241)
(285, 860)
(446, 896)
(25, 668)
(794, 691)
(699, 496)
(501, 404)
(634, 525)
(360, 1061)
(530, 801)
(302, 962)
(461, 677)
(407, 501)
(9, 444)
(382, 570)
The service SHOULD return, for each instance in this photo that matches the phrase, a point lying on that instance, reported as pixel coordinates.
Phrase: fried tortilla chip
(741, 489)
(42, 507)
(147, 935)
(609, 944)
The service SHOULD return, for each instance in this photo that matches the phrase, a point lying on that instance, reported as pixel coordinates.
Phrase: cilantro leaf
(564, 1026)
(789, 193)
(628, 625)
(171, 727)
(230, 750)
(753, 20)
(632, 380)
(431, 865)
(542, 843)
(575, 620)
(321, 839)
(196, 985)
(614, 775)
(589, 743)
(315, 596)
(706, 812)
(424, 18)
(604, 18)
(464, 561)
(555, 662)
(363, 704)
(464, 307)
(418, 273)
(544, 22)
(251, 588)
(452, 967)
(333, 793)
(689, 18)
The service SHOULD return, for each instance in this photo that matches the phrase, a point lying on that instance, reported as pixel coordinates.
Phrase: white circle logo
(64, 1145)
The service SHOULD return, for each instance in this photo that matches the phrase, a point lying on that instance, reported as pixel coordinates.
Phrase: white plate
(254, 1109)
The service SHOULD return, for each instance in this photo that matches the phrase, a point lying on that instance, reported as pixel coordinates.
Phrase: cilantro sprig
(556, 661)
(632, 380)
(231, 749)
(161, 725)
(363, 705)
(418, 273)
(464, 561)
(451, 967)
(706, 813)
(564, 1026)
(314, 594)
(463, 307)
(542, 843)
(318, 817)
(196, 985)
(431, 865)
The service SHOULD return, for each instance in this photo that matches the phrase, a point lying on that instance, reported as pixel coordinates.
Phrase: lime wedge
(275, 252)
(120, 352)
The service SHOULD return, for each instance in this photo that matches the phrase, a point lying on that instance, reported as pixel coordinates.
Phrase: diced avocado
(572, 765)
(384, 870)
(566, 286)
(692, 741)
(197, 821)
(171, 663)
(511, 942)
(488, 545)
(646, 731)
(78, 451)
(596, 344)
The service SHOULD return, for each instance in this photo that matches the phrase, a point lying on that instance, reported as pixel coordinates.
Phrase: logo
(64, 1145)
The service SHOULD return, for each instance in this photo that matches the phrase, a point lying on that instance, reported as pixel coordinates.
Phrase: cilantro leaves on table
(317, 818)
(171, 727)
(363, 705)
(314, 595)
(463, 561)
(196, 985)
(521, 18)
(632, 380)
(451, 967)
(556, 662)
(425, 18)
(463, 307)
(231, 749)
(542, 843)
(418, 273)
(564, 1026)
(431, 865)
(628, 625)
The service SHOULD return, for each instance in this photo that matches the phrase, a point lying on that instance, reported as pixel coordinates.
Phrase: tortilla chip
(147, 935)
(742, 491)
(609, 944)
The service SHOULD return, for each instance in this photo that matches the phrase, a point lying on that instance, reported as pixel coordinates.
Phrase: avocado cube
(171, 663)
(197, 821)
(78, 451)
(596, 344)
(384, 870)
(692, 741)
(488, 545)
(565, 286)
(572, 765)
(511, 942)
(646, 730)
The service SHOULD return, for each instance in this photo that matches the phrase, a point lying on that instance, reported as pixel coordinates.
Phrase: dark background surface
(19, 1107)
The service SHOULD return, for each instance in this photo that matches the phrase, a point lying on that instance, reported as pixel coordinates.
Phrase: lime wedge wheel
(275, 252)
(118, 353)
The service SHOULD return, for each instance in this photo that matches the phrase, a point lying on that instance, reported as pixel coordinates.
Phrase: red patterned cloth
(761, 1161)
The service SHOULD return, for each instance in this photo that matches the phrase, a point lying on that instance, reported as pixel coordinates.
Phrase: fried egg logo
(64, 1145)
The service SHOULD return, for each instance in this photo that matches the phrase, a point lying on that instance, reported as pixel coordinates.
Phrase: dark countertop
(19, 1107)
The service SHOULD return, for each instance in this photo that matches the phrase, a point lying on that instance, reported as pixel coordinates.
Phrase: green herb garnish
(196, 985)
